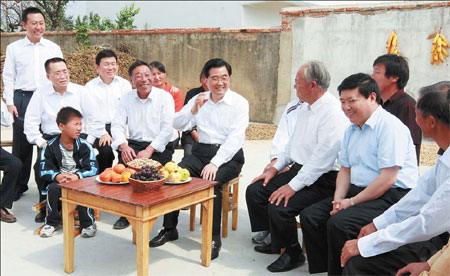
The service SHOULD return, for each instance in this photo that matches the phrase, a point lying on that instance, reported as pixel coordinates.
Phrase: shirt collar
(227, 97)
(318, 103)
(28, 42)
(70, 89)
(373, 119)
(396, 95)
(150, 96)
(445, 158)
(100, 81)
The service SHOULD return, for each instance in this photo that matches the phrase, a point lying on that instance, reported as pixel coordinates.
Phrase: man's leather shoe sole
(286, 263)
(265, 249)
(162, 238)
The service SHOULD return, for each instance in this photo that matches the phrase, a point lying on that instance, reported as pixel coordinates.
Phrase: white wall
(349, 43)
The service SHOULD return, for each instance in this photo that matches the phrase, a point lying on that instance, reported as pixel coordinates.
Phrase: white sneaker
(260, 236)
(89, 232)
(47, 231)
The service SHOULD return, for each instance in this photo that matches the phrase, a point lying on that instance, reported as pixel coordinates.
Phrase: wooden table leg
(207, 214)
(69, 233)
(142, 247)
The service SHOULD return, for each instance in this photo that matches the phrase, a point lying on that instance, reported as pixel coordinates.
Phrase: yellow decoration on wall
(392, 44)
(438, 51)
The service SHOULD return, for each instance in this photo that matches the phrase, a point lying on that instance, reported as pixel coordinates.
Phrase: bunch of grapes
(147, 173)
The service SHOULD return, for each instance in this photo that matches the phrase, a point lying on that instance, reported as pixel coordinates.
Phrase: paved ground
(112, 253)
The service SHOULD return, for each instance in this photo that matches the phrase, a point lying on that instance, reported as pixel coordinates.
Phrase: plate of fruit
(174, 174)
(117, 175)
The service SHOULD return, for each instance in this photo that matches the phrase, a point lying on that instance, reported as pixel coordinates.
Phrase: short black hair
(396, 66)
(30, 10)
(216, 63)
(158, 65)
(365, 84)
(105, 54)
(66, 113)
(436, 104)
(53, 60)
(136, 64)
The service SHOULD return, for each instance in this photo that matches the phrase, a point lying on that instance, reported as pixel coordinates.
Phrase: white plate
(178, 183)
(109, 183)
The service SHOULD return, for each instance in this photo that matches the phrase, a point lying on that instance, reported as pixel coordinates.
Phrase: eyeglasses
(60, 73)
(224, 79)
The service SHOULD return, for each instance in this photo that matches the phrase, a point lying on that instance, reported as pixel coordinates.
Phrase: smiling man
(45, 104)
(23, 72)
(378, 167)
(221, 116)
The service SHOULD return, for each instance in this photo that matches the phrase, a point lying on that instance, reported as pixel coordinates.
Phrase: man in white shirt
(417, 226)
(40, 117)
(23, 73)
(11, 167)
(221, 116)
(274, 200)
(281, 138)
(104, 94)
(378, 167)
(147, 113)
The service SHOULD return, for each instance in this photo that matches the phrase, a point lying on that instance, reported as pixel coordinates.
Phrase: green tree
(125, 18)
(55, 14)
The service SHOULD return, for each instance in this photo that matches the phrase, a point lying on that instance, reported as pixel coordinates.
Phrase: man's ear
(61, 126)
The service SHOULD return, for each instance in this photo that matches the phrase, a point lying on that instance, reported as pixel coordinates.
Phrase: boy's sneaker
(259, 237)
(47, 231)
(89, 232)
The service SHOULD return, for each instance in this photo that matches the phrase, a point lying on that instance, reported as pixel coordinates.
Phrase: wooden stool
(303, 239)
(230, 196)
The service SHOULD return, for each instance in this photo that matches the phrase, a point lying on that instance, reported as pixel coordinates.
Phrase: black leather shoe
(121, 223)
(286, 262)
(164, 236)
(215, 249)
(40, 217)
(265, 249)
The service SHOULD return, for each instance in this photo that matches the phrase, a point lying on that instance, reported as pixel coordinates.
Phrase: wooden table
(141, 210)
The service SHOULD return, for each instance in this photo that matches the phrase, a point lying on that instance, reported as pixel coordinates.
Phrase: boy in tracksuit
(67, 158)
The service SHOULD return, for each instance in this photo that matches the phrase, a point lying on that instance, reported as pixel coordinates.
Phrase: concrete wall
(349, 40)
(253, 55)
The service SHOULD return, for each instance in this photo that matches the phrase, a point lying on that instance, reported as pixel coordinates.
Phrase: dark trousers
(105, 156)
(11, 167)
(389, 263)
(280, 220)
(201, 156)
(86, 215)
(325, 235)
(161, 157)
(42, 185)
(21, 148)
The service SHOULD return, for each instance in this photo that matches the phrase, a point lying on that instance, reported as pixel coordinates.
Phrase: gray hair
(442, 86)
(316, 71)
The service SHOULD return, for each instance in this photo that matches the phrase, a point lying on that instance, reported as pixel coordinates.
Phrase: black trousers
(201, 156)
(86, 215)
(105, 156)
(390, 262)
(325, 235)
(42, 185)
(161, 157)
(21, 148)
(11, 167)
(280, 220)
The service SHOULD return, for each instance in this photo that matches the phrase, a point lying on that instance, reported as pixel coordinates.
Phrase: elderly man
(418, 225)
(274, 200)
(391, 72)
(22, 74)
(147, 113)
(378, 167)
(221, 116)
(45, 104)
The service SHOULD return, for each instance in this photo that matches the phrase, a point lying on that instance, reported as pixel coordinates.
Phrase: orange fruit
(130, 170)
(105, 176)
(125, 176)
(119, 168)
(116, 178)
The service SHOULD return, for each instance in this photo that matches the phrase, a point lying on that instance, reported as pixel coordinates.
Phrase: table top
(124, 193)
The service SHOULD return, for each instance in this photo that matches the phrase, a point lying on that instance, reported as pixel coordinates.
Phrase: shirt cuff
(364, 246)
(296, 186)
(90, 139)
(9, 101)
(279, 165)
(216, 161)
(380, 222)
(39, 141)
(157, 146)
(116, 143)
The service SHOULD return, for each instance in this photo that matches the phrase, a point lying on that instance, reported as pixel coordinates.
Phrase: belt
(23, 91)
(212, 145)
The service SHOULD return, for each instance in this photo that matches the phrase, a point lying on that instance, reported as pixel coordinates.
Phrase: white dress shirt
(7, 118)
(420, 215)
(148, 120)
(45, 105)
(224, 123)
(105, 99)
(285, 128)
(316, 141)
(24, 65)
